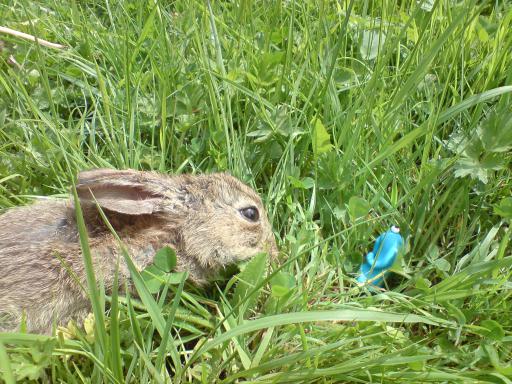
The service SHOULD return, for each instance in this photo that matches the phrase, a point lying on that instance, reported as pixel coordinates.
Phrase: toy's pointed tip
(395, 229)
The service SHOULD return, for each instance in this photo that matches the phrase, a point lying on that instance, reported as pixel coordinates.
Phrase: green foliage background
(346, 116)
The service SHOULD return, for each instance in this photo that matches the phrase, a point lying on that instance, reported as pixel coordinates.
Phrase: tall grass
(347, 116)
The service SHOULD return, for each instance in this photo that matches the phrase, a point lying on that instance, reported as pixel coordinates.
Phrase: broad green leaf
(28, 370)
(417, 365)
(493, 161)
(252, 275)
(343, 76)
(470, 167)
(260, 134)
(321, 139)
(496, 132)
(150, 276)
(157, 274)
(494, 329)
(504, 208)
(154, 278)
(358, 207)
(371, 43)
(165, 259)
(412, 32)
(305, 183)
(308, 182)
(270, 59)
(454, 311)
(423, 284)
(174, 278)
(442, 265)
(479, 165)
(482, 34)
(494, 358)
(281, 284)
(427, 5)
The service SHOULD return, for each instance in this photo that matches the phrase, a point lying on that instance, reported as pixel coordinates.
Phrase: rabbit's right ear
(127, 192)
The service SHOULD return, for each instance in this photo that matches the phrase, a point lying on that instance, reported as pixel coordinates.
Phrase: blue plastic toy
(382, 257)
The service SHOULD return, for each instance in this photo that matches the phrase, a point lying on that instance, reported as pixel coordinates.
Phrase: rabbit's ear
(125, 192)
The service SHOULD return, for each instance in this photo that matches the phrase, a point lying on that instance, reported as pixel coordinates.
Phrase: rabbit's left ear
(124, 192)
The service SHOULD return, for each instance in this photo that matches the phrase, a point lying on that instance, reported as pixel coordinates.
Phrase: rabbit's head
(212, 220)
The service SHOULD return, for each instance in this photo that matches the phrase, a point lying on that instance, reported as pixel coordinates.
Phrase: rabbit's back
(42, 273)
(34, 242)
(41, 222)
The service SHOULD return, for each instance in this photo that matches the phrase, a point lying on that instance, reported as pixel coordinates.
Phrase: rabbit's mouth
(227, 271)
(204, 276)
(227, 264)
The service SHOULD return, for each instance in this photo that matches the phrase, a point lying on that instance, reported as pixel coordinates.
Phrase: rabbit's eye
(250, 213)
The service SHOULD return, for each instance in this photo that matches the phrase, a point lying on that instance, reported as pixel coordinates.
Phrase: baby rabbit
(209, 220)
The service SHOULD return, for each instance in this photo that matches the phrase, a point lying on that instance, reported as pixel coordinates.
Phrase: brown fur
(198, 216)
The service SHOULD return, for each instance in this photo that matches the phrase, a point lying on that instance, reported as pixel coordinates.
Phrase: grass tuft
(348, 117)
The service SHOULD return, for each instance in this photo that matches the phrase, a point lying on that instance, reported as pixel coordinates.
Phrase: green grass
(347, 117)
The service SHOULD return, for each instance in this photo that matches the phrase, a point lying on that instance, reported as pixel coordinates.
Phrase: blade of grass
(5, 366)
(94, 295)
(166, 339)
(115, 338)
(316, 316)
